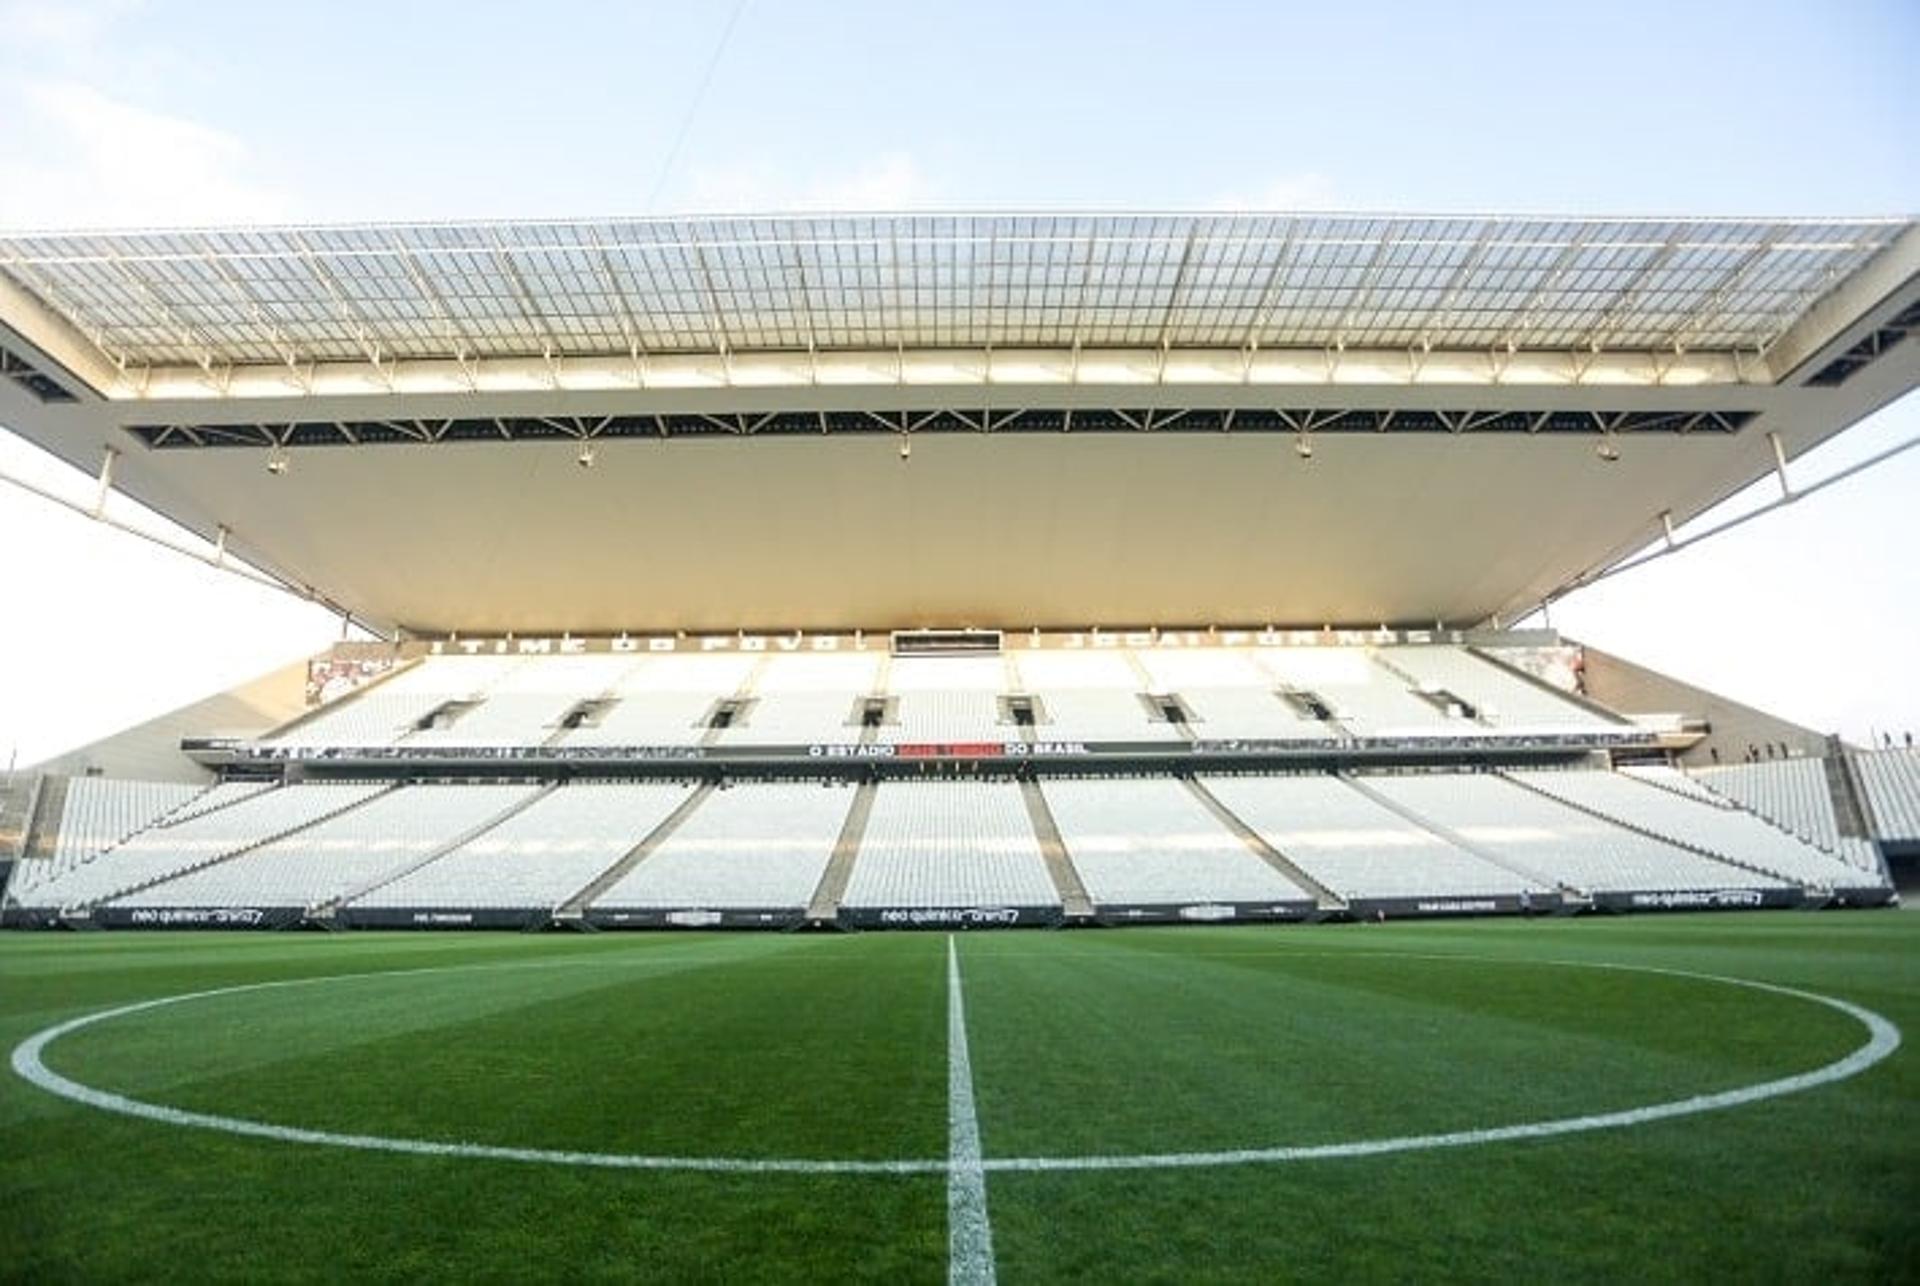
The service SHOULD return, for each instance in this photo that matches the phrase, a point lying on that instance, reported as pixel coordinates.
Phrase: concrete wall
(151, 751)
(1634, 689)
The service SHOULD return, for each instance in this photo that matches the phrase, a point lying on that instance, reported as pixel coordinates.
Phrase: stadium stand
(1796, 795)
(540, 856)
(803, 699)
(949, 844)
(1148, 842)
(1500, 699)
(1089, 696)
(384, 712)
(1365, 697)
(1792, 793)
(525, 706)
(1572, 848)
(1091, 651)
(946, 699)
(762, 845)
(1730, 834)
(1891, 778)
(663, 701)
(1358, 847)
(99, 813)
(334, 857)
(165, 851)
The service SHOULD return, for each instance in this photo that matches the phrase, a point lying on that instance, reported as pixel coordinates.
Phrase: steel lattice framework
(296, 297)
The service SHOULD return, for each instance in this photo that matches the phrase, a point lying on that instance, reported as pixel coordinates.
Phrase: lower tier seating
(937, 844)
(759, 846)
(340, 855)
(949, 844)
(540, 856)
(1357, 847)
(1555, 842)
(1731, 833)
(1152, 842)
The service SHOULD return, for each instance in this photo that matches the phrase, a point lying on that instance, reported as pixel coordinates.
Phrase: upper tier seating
(543, 854)
(1229, 696)
(807, 698)
(1087, 696)
(802, 697)
(946, 699)
(525, 707)
(386, 711)
(1891, 779)
(1151, 842)
(1366, 698)
(949, 844)
(1731, 833)
(1357, 847)
(1501, 699)
(760, 846)
(665, 700)
(1553, 841)
(165, 850)
(341, 854)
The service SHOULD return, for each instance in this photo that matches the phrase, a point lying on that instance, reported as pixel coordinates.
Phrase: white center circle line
(28, 1062)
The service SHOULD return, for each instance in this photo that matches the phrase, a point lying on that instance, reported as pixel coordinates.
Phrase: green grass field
(1082, 1044)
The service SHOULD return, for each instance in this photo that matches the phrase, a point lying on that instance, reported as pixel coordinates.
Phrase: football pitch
(1716, 1097)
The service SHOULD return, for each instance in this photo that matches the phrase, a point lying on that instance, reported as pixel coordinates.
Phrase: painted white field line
(28, 1063)
(969, 1234)
(1883, 1039)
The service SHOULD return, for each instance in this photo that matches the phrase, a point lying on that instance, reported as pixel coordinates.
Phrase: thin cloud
(890, 181)
(79, 156)
(1288, 193)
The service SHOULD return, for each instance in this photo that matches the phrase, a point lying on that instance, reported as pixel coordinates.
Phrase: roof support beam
(349, 316)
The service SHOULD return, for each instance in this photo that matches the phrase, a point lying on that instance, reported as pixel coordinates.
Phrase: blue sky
(122, 113)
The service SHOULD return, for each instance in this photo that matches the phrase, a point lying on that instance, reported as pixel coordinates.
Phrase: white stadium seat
(762, 845)
(1357, 847)
(949, 844)
(1151, 842)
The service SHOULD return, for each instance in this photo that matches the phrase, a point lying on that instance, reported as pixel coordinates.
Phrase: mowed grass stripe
(742, 1047)
(1820, 1185)
(1156, 1052)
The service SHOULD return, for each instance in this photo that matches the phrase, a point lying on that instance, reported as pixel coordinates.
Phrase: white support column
(106, 481)
(1780, 465)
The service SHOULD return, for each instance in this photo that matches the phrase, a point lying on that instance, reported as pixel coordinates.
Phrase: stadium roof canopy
(1092, 400)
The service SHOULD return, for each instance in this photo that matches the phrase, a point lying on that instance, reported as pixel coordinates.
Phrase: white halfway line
(969, 1234)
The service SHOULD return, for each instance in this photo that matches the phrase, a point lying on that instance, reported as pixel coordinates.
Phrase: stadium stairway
(824, 906)
(41, 834)
(1325, 897)
(1074, 900)
(18, 797)
(1414, 684)
(1570, 896)
(1844, 789)
(573, 910)
(1677, 841)
(1492, 657)
(324, 911)
(240, 851)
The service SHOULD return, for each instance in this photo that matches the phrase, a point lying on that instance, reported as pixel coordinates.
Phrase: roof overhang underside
(1108, 418)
